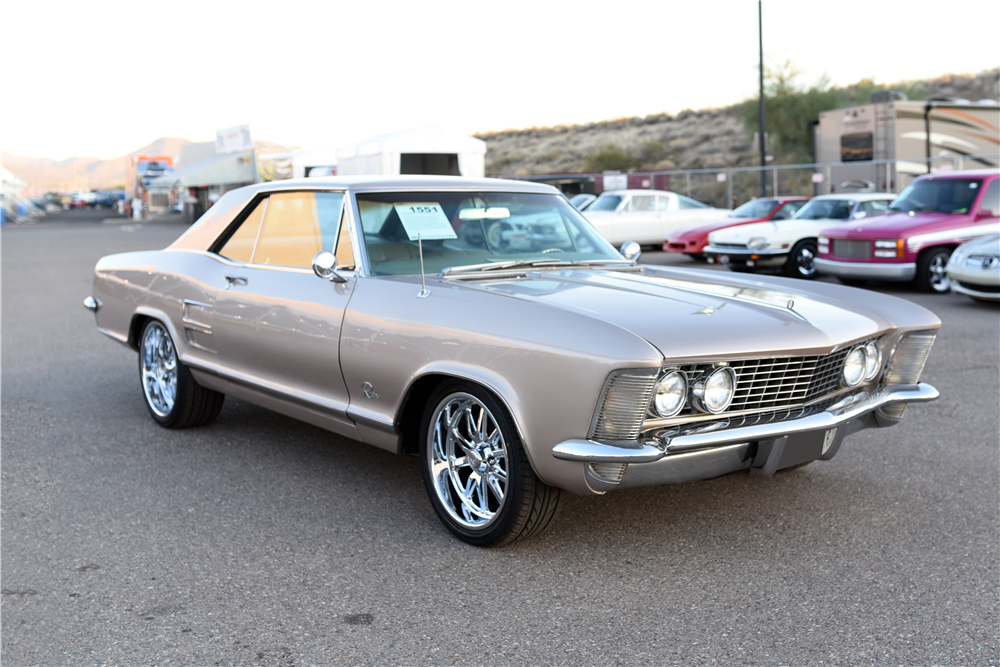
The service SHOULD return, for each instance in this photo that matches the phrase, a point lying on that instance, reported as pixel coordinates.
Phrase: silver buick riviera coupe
(487, 327)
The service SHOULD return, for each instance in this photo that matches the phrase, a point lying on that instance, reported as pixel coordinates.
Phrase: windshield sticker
(426, 219)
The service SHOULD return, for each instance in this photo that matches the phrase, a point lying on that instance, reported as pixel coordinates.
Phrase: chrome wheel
(803, 261)
(159, 369)
(468, 460)
(938, 273)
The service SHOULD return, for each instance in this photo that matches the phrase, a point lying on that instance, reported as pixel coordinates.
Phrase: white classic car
(790, 244)
(974, 268)
(647, 217)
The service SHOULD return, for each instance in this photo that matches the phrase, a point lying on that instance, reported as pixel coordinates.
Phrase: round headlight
(757, 243)
(715, 392)
(854, 367)
(670, 393)
(873, 359)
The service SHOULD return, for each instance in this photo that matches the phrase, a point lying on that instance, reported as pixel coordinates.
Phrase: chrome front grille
(777, 383)
(623, 403)
(782, 382)
(741, 246)
(852, 249)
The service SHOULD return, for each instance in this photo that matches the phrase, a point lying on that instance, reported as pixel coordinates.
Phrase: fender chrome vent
(623, 404)
(909, 357)
(612, 472)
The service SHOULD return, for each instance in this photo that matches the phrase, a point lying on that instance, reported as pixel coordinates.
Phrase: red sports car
(692, 241)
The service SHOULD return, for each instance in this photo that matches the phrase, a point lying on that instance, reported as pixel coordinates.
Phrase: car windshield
(826, 209)
(758, 208)
(605, 202)
(462, 229)
(687, 202)
(946, 195)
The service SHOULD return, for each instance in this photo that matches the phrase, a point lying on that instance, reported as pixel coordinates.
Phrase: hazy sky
(103, 78)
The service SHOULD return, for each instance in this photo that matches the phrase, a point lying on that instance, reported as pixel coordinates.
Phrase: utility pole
(763, 143)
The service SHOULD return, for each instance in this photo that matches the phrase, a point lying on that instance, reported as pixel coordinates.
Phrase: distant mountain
(84, 172)
(97, 174)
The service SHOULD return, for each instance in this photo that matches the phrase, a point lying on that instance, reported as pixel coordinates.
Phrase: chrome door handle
(235, 280)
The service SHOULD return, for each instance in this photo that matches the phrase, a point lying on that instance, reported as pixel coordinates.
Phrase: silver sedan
(486, 326)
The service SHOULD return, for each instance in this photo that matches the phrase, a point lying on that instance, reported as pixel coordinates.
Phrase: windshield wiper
(522, 263)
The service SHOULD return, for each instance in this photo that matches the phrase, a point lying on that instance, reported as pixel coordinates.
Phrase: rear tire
(801, 261)
(932, 274)
(475, 470)
(173, 397)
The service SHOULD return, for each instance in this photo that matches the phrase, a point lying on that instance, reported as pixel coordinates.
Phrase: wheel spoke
(495, 487)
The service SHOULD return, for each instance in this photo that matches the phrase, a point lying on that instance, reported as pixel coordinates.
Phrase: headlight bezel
(701, 386)
(758, 243)
(654, 408)
(873, 360)
(862, 364)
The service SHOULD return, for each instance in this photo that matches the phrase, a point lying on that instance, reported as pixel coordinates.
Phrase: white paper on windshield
(426, 219)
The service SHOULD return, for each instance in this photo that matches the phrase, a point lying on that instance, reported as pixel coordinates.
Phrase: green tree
(609, 157)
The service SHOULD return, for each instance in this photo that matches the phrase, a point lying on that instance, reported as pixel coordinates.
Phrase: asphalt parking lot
(259, 540)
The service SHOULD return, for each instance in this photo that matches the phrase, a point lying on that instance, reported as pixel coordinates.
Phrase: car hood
(986, 244)
(693, 314)
(900, 223)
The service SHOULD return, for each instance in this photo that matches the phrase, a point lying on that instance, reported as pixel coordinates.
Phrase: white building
(428, 150)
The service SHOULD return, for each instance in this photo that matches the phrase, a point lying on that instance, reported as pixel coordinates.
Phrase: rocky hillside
(708, 138)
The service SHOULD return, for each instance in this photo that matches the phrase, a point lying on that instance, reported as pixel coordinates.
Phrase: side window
(643, 203)
(991, 199)
(345, 251)
(792, 207)
(783, 213)
(239, 247)
(875, 207)
(296, 226)
(662, 203)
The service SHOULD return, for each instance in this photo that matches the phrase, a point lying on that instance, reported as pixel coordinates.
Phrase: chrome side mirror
(325, 266)
(631, 250)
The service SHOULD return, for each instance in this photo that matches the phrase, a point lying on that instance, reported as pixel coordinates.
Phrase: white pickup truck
(647, 216)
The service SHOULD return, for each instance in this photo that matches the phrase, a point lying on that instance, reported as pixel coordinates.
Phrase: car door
(277, 324)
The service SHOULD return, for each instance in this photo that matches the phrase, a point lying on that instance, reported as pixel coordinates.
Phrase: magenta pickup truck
(913, 240)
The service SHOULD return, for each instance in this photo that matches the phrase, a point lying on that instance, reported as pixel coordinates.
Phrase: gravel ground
(259, 540)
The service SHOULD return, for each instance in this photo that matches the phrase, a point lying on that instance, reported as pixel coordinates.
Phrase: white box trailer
(905, 133)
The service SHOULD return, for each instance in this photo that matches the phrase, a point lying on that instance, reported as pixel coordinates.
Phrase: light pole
(763, 144)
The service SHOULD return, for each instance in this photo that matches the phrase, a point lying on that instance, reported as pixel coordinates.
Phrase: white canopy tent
(428, 150)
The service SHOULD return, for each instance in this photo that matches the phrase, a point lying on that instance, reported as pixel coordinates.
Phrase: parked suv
(930, 218)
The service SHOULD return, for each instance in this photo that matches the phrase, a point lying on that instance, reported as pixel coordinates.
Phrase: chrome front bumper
(702, 452)
(863, 270)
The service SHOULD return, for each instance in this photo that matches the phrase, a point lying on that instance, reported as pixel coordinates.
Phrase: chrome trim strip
(121, 339)
(722, 250)
(873, 270)
(595, 452)
(652, 450)
(263, 218)
(301, 398)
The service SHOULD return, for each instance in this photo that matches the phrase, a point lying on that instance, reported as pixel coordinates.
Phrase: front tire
(173, 397)
(932, 271)
(801, 261)
(477, 475)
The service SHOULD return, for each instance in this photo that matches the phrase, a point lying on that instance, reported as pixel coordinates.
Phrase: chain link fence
(728, 188)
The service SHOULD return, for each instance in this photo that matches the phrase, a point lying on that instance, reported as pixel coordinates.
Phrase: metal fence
(730, 187)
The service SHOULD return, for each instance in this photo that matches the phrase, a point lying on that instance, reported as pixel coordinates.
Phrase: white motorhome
(907, 133)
